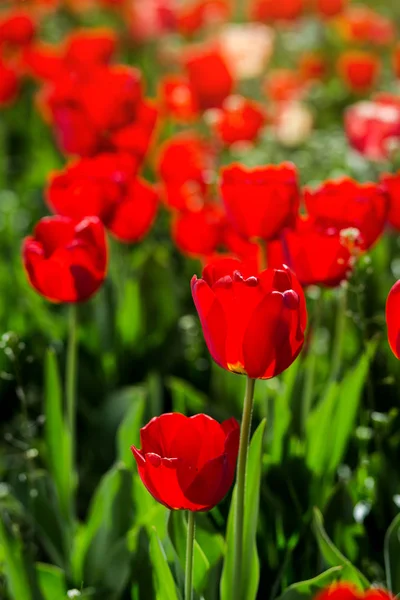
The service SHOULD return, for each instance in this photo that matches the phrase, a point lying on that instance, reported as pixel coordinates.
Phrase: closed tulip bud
(253, 323)
(66, 261)
(188, 463)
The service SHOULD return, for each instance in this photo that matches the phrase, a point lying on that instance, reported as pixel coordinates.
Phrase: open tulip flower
(106, 186)
(393, 319)
(65, 260)
(348, 591)
(239, 120)
(345, 203)
(253, 323)
(319, 255)
(99, 110)
(260, 202)
(373, 127)
(188, 463)
(359, 70)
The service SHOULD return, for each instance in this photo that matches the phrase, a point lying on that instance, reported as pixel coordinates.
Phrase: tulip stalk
(241, 486)
(189, 556)
(70, 380)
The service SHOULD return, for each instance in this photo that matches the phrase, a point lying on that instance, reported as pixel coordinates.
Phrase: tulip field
(199, 299)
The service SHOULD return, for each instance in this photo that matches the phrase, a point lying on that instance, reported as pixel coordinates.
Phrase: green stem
(70, 380)
(311, 365)
(340, 331)
(241, 486)
(189, 557)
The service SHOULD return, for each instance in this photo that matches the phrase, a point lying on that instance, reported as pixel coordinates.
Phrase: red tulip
(193, 16)
(17, 28)
(177, 98)
(393, 319)
(188, 463)
(347, 591)
(107, 187)
(9, 84)
(198, 233)
(253, 323)
(312, 66)
(99, 110)
(66, 261)
(260, 202)
(84, 49)
(239, 120)
(184, 165)
(284, 85)
(359, 69)
(319, 256)
(391, 183)
(270, 10)
(345, 203)
(209, 76)
(373, 127)
(330, 8)
(361, 24)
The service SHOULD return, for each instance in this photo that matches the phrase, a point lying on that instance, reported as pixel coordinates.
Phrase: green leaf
(51, 582)
(332, 422)
(163, 580)
(283, 413)
(16, 573)
(101, 556)
(185, 398)
(57, 437)
(177, 530)
(129, 313)
(392, 554)
(129, 430)
(307, 590)
(250, 563)
(332, 556)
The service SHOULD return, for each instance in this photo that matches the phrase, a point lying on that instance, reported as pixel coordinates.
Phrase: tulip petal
(393, 319)
(212, 319)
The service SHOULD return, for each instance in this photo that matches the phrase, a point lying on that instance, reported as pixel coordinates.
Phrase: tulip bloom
(193, 16)
(359, 69)
(209, 76)
(253, 323)
(319, 256)
(312, 66)
(198, 233)
(177, 98)
(373, 127)
(330, 8)
(346, 203)
(247, 48)
(82, 50)
(99, 110)
(260, 202)
(347, 591)
(361, 24)
(393, 319)
(184, 165)
(391, 183)
(239, 120)
(66, 261)
(17, 29)
(9, 84)
(284, 85)
(271, 10)
(188, 463)
(106, 186)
